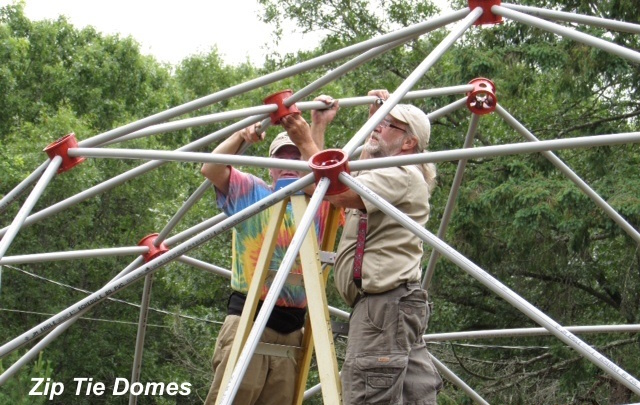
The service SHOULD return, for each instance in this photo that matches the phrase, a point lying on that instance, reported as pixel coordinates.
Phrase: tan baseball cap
(417, 120)
(282, 139)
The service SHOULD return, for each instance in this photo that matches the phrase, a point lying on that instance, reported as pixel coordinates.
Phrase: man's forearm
(216, 173)
(317, 134)
(229, 146)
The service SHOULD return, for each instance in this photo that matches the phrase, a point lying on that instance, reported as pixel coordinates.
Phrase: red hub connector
(154, 251)
(60, 148)
(487, 16)
(330, 163)
(482, 99)
(282, 111)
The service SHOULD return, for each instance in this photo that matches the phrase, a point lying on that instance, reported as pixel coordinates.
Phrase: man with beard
(378, 273)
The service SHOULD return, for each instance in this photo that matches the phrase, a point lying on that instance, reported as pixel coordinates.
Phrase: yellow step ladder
(317, 331)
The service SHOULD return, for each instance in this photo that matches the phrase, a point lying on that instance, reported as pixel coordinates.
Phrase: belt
(409, 285)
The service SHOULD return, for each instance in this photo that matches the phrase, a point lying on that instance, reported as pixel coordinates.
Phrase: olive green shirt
(392, 253)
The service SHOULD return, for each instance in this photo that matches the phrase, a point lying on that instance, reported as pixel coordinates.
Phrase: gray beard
(374, 150)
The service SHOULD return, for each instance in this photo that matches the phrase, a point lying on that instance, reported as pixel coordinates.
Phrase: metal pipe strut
(451, 201)
(522, 332)
(410, 81)
(577, 18)
(14, 194)
(19, 220)
(494, 285)
(153, 265)
(571, 175)
(568, 32)
(75, 254)
(200, 157)
(497, 150)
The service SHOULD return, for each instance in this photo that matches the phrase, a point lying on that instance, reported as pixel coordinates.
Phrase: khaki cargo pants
(387, 361)
(269, 380)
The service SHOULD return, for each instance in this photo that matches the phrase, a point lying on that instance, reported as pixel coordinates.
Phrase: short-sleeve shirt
(392, 254)
(248, 236)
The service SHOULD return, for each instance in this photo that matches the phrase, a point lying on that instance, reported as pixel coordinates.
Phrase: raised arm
(219, 174)
(301, 134)
(320, 119)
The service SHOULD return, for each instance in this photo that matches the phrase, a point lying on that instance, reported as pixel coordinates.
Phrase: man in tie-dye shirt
(268, 379)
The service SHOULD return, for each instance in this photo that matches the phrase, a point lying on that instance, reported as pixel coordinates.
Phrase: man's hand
(382, 95)
(300, 133)
(219, 174)
(297, 128)
(325, 116)
(251, 134)
(320, 119)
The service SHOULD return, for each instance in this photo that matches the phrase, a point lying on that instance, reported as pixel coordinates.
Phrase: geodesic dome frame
(157, 250)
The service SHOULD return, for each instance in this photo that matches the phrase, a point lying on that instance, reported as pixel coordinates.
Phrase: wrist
(237, 142)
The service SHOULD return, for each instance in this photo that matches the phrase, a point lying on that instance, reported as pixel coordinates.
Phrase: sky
(172, 30)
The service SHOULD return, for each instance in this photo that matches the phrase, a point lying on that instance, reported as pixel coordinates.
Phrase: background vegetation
(517, 217)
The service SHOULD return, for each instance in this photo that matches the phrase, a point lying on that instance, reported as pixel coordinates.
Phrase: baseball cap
(282, 139)
(417, 120)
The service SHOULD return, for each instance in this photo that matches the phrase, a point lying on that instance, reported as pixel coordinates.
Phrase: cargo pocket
(413, 315)
(383, 376)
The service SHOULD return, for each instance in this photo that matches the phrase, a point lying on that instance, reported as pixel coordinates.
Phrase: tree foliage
(57, 79)
(517, 217)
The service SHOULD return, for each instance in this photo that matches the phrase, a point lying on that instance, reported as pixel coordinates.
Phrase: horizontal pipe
(195, 121)
(200, 157)
(522, 332)
(497, 150)
(368, 100)
(76, 254)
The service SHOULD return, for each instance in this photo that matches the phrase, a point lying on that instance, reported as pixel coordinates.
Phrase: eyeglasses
(387, 124)
(287, 156)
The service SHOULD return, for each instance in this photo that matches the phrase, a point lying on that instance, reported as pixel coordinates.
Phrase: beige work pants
(269, 380)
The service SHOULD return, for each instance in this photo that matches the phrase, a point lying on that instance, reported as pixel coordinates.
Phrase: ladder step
(270, 349)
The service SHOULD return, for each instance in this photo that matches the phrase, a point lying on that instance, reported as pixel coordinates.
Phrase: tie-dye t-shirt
(244, 190)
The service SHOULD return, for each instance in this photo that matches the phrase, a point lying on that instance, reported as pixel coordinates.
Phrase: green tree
(57, 80)
(17, 390)
(518, 217)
